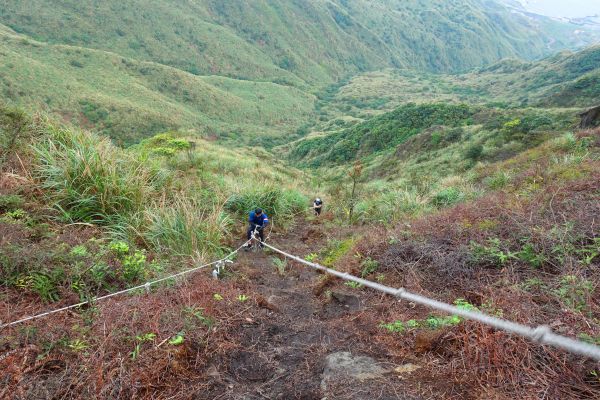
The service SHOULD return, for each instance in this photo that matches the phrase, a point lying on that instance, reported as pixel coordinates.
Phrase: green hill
(129, 99)
(566, 79)
(246, 71)
(311, 41)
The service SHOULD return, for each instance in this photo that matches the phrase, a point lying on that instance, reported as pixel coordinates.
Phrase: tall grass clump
(279, 203)
(184, 227)
(389, 207)
(89, 180)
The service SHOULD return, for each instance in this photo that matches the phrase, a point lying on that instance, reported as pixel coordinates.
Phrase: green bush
(498, 180)
(134, 267)
(447, 197)
(368, 267)
(575, 292)
(494, 252)
(11, 202)
(44, 284)
(381, 133)
(474, 152)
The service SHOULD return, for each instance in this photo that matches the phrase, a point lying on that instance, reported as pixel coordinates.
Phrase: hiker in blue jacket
(257, 220)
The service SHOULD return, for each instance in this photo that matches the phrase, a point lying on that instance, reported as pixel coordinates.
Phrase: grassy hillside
(563, 80)
(81, 217)
(128, 99)
(170, 191)
(420, 157)
(524, 250)
(130, 74)
(311, 41)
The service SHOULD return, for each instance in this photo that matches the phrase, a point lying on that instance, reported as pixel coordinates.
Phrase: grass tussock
(89, 180)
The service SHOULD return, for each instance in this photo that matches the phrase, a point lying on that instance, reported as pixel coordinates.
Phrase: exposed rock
(346, 365)
(213, 373)
(349, 300)
(590, 118)
(406, 368)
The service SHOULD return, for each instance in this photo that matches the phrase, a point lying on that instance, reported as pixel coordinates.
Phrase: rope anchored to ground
(541, 334)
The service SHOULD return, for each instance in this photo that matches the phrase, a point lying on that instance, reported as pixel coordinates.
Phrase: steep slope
(314, 41)
(528, 251)
(129, 99)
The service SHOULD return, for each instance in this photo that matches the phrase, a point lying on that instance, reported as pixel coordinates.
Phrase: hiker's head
(258, 211)
(318, 199)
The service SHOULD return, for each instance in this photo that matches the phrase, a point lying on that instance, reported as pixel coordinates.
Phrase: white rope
(542, 334)
(146, 286)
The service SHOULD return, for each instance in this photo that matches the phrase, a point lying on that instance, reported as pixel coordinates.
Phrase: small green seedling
(141, 339)
(79, 251)
(77, 345)
(177, 340)
(280, 265)
(312, 257)
(119, 248)
(16, 214)
(242, 298)
(354, 285)
(217, 297)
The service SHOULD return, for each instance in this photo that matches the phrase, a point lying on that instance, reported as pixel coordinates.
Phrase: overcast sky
(564, 8)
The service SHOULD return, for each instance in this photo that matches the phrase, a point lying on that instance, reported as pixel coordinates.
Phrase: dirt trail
(285, 347)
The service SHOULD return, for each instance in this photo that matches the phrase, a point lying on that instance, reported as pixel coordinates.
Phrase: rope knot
(539, 333)
(147, 287)
(400, 292)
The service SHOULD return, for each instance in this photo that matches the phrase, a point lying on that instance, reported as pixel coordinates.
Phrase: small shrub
(335, 250)
(353, 285)
(76, 63)
(280, 265)
(11, 202)
(534, 284)
(43, 284)
(77, 345)
(529, 255)
(99, 274)
(369, 266)
(454, 135)
(498, 180)
(432, 322)
(134, 266)
(492, 253)
(196, 314)
(79, 251)
(474, 152)
(140, 340)
(312, 257)
(119, 248)
(177, 340)
(16, 215)
(575, 292)
(447, 197)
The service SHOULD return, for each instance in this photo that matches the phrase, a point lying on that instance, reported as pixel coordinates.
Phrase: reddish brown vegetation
(554, 211)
